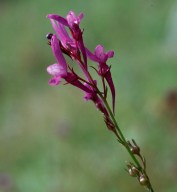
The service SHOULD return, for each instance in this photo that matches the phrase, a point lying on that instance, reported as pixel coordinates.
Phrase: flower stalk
(71, 44)
(127, 144)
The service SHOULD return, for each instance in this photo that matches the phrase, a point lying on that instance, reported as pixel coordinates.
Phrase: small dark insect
(49, 36)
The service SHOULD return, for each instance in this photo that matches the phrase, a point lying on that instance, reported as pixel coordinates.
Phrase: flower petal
(55, 70)
(109, 80)
(58, 18)
(54, 81)
(73, 19)
(58, 55)
(61, 32)
(91, 55)
(80, 17)
(64, 36)
(110, 54)
(99, 52)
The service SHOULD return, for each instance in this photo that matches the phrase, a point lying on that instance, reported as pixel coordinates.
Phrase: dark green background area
(53, 141)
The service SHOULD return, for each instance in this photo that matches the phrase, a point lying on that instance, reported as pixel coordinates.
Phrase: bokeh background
(53, 141)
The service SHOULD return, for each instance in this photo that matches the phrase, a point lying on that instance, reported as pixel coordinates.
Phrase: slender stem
(120, 132)
(124, 142)
(123, 138)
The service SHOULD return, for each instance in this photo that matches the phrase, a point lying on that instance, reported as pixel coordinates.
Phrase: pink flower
(99, 55)
(59, 69)
(74, 42)
(101, 58)
(73, 20)
(56, 71)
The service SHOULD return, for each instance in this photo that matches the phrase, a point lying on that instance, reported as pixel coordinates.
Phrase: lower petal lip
(56, 70)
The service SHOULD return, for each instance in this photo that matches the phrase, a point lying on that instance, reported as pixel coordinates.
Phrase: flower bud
(133, 170)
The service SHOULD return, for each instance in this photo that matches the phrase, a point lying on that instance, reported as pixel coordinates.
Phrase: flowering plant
(72, 44)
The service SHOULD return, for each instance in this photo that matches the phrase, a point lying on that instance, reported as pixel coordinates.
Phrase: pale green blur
(53, 141)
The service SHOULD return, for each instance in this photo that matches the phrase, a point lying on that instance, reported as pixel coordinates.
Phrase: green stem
(120, 132)
(122, 137)
(91, 82)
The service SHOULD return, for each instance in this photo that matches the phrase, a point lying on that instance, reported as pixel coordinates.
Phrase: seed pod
(133, 171)
(135, 149)
(143, 179)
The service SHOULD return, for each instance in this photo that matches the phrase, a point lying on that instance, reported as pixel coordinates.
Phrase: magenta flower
(59, 69)
(99, 55)
(74, 43)
(73, 20)
(103, 69)
(67, 42)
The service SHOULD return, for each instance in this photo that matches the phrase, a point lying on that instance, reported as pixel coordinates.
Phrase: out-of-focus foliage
(53, 141)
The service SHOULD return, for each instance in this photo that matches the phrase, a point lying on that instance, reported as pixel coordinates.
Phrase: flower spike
(68, 40)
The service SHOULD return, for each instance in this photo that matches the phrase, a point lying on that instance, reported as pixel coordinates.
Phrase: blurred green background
(53, 141)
